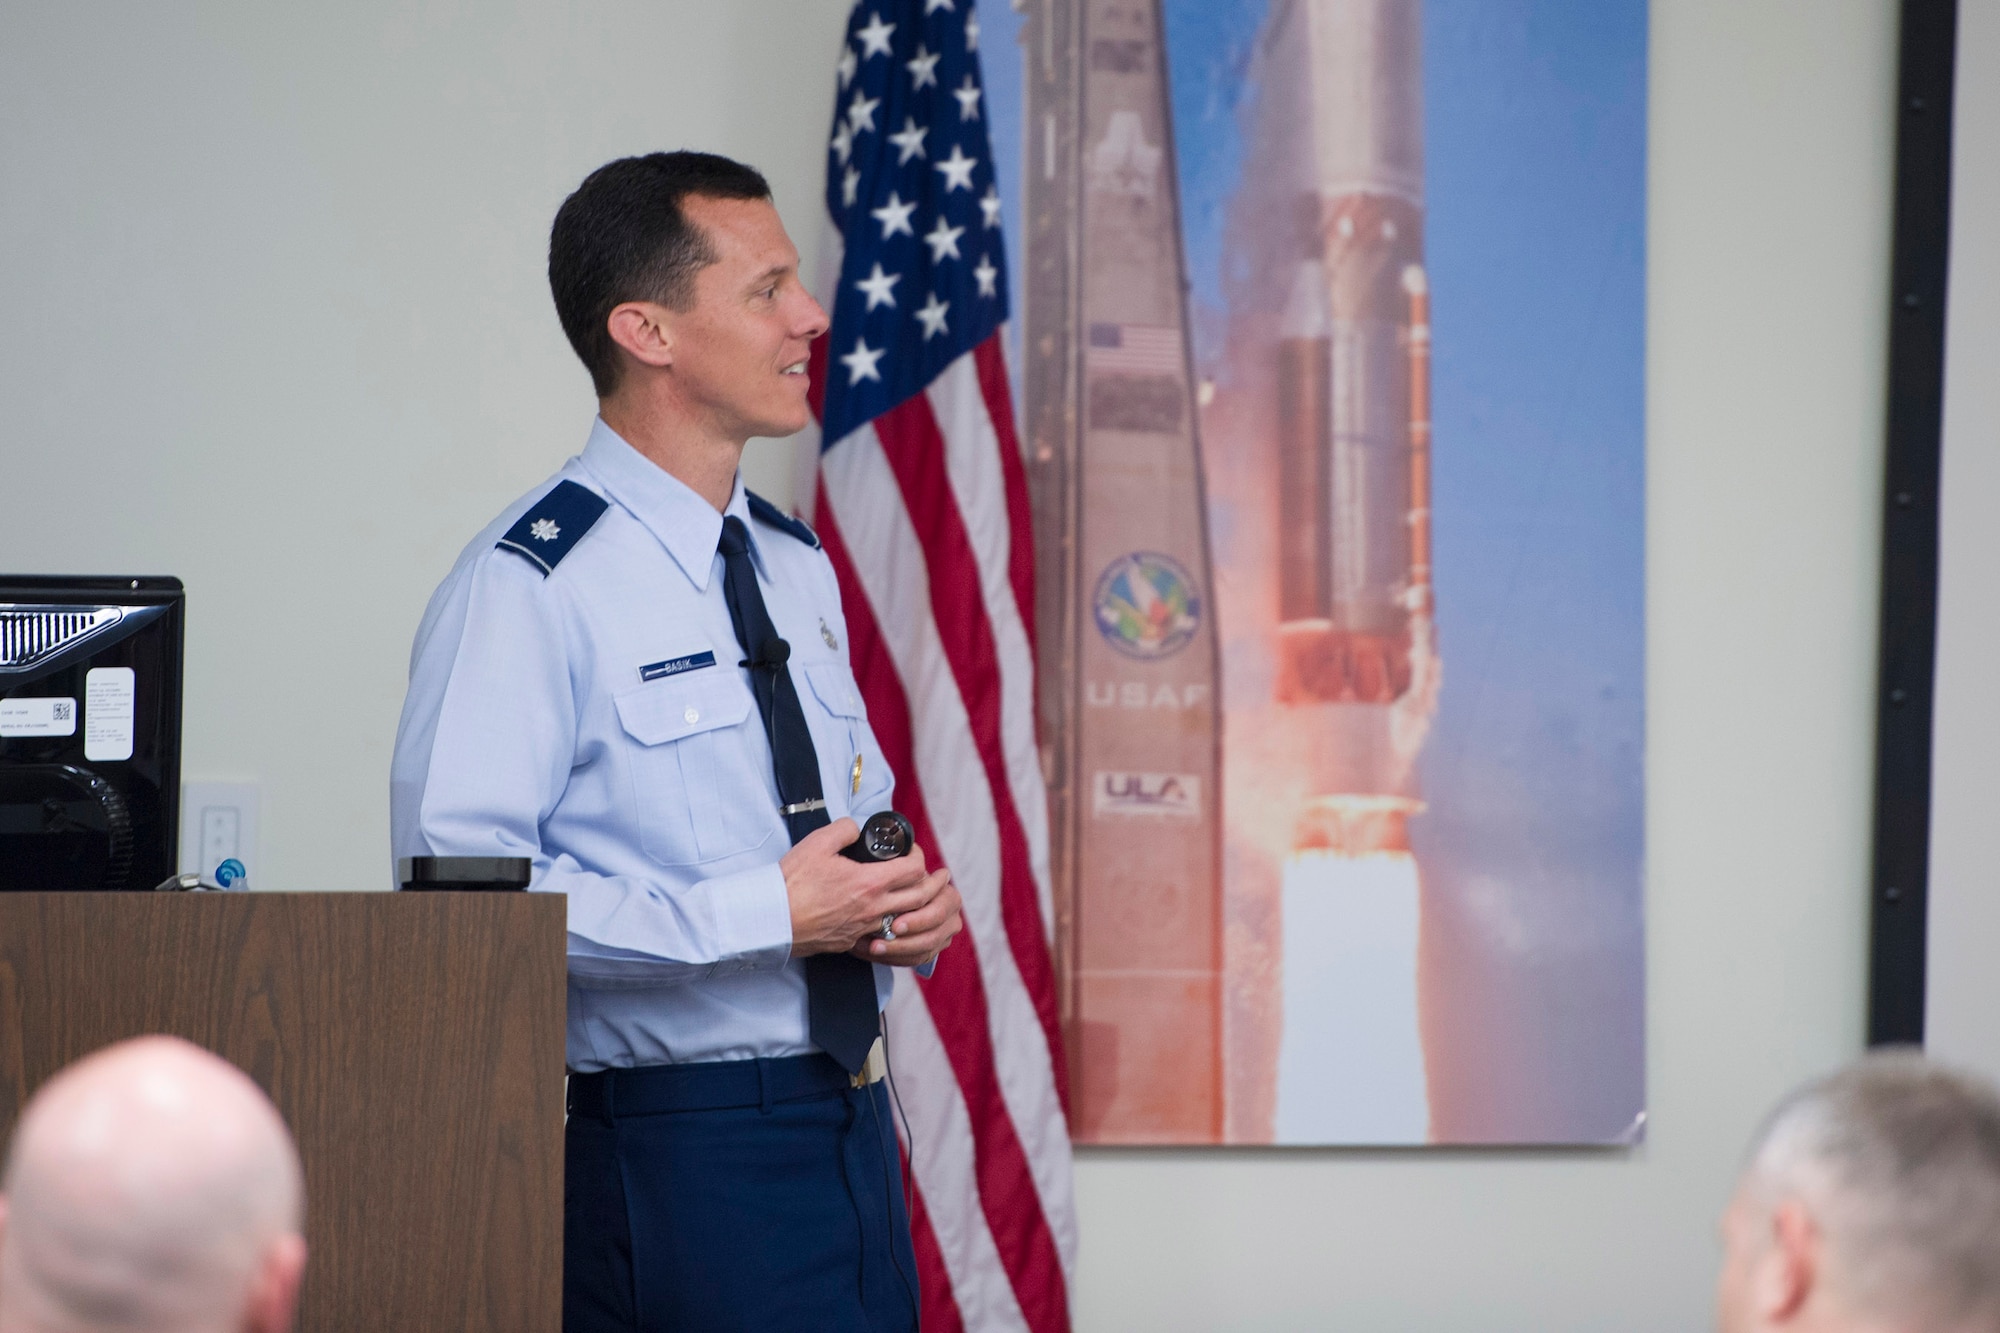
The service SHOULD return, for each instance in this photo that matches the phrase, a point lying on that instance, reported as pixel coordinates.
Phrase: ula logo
(1172, 794)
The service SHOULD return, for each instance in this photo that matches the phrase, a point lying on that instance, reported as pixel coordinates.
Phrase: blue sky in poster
(1000, 71)
(1536, 115)
(1535, 181)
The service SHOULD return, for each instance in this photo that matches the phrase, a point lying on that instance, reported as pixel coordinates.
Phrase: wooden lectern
(414, 1042)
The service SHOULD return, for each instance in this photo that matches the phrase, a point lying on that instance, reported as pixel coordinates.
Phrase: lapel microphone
(772, 654)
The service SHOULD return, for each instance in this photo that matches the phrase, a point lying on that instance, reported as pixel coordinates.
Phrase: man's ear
(1789, 1267)
(274, 1295)
(643, 329)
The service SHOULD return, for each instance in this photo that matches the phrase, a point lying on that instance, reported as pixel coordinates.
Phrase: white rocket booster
(1343, 120)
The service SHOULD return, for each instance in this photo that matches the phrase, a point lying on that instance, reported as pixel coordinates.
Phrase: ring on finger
(889, 927)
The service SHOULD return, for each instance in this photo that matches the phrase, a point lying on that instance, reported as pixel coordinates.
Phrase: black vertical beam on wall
(1910, 522)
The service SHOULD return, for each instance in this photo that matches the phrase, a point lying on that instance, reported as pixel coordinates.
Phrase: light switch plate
(218, 828)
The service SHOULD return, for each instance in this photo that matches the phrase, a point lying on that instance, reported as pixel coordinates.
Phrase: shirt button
(693, 714)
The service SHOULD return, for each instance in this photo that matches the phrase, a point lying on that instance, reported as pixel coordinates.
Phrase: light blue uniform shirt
(531, 730)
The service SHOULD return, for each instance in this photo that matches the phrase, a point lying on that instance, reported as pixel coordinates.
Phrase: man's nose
(813, 320)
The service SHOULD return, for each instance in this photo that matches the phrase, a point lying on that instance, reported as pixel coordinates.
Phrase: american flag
(1139, 348)
(922, 503)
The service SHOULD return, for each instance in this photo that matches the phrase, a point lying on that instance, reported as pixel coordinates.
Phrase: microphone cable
(909, 1187)
(772, 654)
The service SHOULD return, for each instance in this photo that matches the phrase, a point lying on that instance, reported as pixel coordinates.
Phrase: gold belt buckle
(872, 1069)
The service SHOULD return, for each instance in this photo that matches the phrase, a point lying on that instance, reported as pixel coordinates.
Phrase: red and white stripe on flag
(922, 504)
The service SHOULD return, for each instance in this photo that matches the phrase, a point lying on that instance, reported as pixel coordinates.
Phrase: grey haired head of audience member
(150, 1186)
(1871, 1201)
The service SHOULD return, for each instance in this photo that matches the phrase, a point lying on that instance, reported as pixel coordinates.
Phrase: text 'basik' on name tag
(674, 666)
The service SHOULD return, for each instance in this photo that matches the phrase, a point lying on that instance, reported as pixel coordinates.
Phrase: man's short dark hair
(623, 236)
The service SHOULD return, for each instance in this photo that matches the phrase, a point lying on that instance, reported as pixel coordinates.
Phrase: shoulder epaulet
(554, 525)
(765, 512)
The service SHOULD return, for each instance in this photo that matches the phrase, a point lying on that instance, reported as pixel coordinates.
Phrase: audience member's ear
(275, 1296)
(1790, 1264)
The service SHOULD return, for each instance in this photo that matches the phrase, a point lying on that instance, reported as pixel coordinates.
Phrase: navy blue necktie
(840, 989)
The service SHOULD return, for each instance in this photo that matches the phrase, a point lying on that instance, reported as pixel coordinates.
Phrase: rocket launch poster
(1329, 339)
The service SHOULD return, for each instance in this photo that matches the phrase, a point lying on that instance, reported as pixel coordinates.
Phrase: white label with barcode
(107, 713)
(37, 717)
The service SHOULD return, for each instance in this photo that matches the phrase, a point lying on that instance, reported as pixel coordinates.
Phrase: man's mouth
(797, 368)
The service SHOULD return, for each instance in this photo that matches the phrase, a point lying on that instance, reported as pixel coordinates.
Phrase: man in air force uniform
(637, 676)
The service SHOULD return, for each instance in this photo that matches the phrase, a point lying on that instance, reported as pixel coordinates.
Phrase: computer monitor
(90, 731)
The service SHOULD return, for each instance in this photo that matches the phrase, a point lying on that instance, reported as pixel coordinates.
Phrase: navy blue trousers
(753, 1195)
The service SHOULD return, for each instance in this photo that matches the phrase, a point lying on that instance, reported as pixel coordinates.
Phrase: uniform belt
(712, 1086)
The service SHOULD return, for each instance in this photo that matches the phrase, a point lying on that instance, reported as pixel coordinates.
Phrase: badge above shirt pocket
(701, 792)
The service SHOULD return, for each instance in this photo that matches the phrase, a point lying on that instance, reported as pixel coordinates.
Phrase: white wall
(274, 319)
(1962, 988)
(271, 311)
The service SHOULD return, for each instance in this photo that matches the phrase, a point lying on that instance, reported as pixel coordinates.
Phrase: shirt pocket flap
(834, 687)
(674, 709)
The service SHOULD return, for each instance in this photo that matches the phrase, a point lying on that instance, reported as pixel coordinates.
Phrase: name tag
(673, 666)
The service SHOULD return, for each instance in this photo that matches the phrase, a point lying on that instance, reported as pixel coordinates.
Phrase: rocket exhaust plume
(1351, 1060)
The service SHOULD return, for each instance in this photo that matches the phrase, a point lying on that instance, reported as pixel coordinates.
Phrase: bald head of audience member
(1871, 1201)
(150, 1187)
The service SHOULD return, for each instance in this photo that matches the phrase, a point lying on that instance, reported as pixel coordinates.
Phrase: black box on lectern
(90, 731)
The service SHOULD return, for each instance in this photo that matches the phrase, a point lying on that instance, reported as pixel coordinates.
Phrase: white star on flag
(986, 273)
(933, 6)
(931, 316)
(850, 181)
(923, 70)
(848, 64)
(544, 530)
(861, 361)
(877, 286)
(875, 37)
(967, 94)
(843, 140)
(860, 109)
(957, 170)
(909, 140)
(894, 216)
(972, 31)
(943, 240)
(989, 204)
